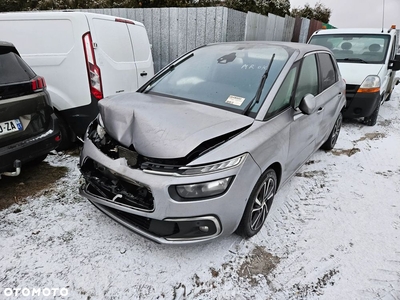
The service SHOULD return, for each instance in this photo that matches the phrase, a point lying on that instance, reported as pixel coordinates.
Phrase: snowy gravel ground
(333, 233)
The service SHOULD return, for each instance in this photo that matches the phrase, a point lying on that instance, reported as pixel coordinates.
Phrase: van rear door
(114, 54)
(142, 52)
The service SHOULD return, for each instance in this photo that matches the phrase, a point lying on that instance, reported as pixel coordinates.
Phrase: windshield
(225, 75)
(364, 48)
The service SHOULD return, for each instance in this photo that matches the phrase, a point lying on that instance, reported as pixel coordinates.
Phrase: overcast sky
(358, 13)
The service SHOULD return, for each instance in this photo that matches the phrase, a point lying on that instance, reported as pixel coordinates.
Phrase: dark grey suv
(28, 126)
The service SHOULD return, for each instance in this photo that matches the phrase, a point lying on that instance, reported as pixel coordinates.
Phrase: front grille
(171, 229)
(103, 183)
(139, 221)
(352, 88)
(351, 91)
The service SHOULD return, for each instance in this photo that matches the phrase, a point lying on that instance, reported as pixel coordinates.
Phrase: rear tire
(258, 205)
(371, 120)
(332, 139)
(66, 142)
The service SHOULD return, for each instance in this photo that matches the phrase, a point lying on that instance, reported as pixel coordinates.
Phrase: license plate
(10, 126)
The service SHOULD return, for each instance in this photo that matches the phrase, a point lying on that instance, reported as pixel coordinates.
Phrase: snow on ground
(333, 233)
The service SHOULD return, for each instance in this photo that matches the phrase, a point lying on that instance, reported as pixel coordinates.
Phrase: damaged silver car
(201, 149)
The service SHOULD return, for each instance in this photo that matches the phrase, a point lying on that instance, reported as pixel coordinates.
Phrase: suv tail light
(38, 84)
(93, 70)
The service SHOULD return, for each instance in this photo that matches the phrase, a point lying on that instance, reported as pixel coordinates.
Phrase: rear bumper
(30, 148)
(361, 105)
(79, 118)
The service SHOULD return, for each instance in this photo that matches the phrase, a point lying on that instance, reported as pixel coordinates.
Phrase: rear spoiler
(6, 47)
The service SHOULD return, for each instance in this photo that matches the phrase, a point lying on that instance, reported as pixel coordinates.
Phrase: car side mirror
(395, 64)
(308, 104)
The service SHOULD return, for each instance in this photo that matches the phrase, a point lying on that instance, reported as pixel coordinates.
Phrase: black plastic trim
(79, 118)
(361, 104)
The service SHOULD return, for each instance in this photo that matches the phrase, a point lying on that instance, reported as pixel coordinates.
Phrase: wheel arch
(277, 167)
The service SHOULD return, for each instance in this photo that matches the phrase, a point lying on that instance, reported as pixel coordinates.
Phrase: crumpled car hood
(161, 127)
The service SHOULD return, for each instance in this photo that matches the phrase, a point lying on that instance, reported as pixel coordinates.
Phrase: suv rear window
(13, 69)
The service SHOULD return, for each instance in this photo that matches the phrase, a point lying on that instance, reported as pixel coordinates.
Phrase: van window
(328, 71)
(140, 42)
(49, 36)
(351, 48)
(113, 39)
(308, 79)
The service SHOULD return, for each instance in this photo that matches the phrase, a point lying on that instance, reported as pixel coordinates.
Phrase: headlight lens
(215, 167)
(204, 189)
(371, 84)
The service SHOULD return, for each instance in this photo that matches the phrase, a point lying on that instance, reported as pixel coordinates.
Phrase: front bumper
(30, 148)
(361, 104)
(155, 214)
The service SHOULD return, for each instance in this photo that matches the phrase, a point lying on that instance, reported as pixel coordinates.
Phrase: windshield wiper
(353, 59)
(145, 88)
(257, 96)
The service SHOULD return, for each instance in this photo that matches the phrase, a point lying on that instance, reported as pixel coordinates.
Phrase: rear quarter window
(13, 69)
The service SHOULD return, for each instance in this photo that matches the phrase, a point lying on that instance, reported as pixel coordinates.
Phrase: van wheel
(258, 205)
(371, 120)
(332, 139)
(65, 135)
(388, 97)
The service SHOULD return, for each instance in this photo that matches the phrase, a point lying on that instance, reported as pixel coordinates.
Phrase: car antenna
(257, 96)
(383, 14)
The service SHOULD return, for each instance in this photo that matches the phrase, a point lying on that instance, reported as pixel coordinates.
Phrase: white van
(84, 57)
(368, 62)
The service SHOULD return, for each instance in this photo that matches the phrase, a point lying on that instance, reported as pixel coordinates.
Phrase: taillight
(38, 84)
(93, 70)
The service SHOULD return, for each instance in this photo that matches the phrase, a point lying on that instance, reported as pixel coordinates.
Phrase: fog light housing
(204, 189)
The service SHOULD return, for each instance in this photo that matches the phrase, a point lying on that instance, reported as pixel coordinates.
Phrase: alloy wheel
(262, 203)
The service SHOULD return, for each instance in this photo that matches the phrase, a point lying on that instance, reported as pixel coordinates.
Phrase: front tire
(371, 120)
(332, 139)
(258, 205)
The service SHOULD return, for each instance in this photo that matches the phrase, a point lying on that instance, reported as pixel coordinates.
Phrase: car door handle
(143, 74)
(320, 110)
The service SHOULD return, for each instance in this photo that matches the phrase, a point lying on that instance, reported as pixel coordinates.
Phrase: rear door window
(13, 69)
(328, 71)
